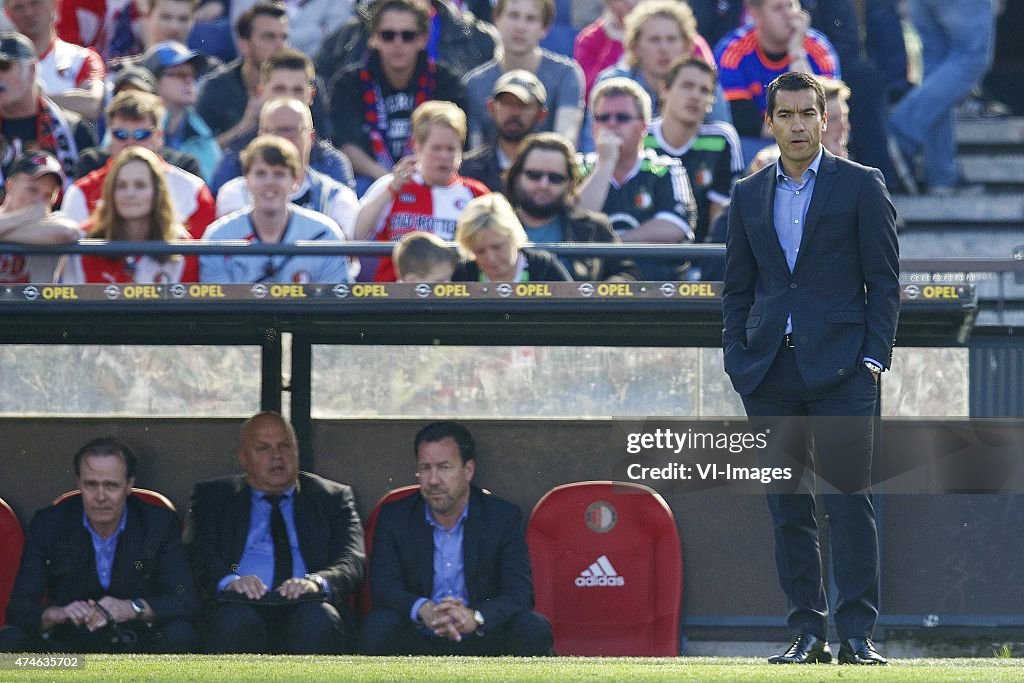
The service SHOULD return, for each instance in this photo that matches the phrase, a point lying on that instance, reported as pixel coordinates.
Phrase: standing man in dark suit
(811, 301)
(450, 569)
(102, 571)
(275, 551)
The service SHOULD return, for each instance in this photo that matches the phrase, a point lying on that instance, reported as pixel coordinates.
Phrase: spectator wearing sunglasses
(542, 185)
(29, 120)
(646, 196)
(373, 102)
(135, 78)
(177, 70)
(135, 206)
(134, 120)
(272, 168)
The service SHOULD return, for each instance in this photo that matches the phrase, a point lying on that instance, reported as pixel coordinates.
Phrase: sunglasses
(406, 36)
(136, 134)
(619, 117)
(553, 178)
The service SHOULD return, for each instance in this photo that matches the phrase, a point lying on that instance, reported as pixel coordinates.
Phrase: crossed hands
(449, 618)
(88, 613)
(253, 587)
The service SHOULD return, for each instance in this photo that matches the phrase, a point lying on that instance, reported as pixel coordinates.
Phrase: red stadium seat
(12, 541)
(145, 495)
(364, 598)
(607, 569)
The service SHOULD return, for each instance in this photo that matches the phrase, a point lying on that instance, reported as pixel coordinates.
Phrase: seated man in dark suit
(275, 551)
(103, 571)
(451, 574)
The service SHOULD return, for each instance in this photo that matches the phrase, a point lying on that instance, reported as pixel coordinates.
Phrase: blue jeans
(957, 41)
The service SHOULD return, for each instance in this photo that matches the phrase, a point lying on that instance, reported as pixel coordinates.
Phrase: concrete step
(973, 209)
(1004, 169)
(996, 132)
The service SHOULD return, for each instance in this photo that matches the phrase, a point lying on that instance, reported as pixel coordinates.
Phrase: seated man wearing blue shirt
(102, 571)
(275, 551)
(451, 605)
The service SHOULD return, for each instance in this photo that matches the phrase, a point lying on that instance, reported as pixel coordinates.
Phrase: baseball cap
(523, 85)
(138, 76)
(171, 53)
(36, 164)
(15, 47)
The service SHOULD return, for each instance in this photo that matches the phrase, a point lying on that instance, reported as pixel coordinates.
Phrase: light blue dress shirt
(449, 571)
(258, 556)
(105, 548)
(792, 198)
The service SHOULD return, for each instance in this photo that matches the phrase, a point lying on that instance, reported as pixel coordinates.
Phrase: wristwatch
(320, 582)
(138, 606)
(873, 368)
(479, 619)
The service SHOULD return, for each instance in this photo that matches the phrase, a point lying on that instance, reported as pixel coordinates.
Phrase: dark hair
(795, 81)
(106, 445)
(683, 62)
(288, 59)
(552, 142)
(437, 431)
(243, 26)
(415, 7)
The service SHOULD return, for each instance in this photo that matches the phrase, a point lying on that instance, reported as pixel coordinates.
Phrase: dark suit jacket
(843, 293)
(542, 266)
(495, 559)
(326, 521)
(59, 562)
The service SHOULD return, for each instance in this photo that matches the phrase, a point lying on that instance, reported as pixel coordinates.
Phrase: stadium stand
(12, 541)
(607, 569)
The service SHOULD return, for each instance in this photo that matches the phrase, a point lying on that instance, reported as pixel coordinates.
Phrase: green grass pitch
(257, 669)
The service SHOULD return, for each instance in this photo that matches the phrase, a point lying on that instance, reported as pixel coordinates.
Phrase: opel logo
(586, 289)
(112, 292)
(259, 290)
(423, 290)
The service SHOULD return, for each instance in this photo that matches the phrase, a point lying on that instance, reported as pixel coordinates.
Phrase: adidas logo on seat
(600, 573)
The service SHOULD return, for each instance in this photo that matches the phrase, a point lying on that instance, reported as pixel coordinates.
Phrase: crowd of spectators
(658, 109)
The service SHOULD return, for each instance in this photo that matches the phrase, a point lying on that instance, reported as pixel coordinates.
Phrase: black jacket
(542, 266)
(326, 521)
(59, 564)
(591, 226)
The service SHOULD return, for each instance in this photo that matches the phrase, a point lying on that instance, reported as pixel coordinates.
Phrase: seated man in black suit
(276, 552)
(103, 571)
(450, 570)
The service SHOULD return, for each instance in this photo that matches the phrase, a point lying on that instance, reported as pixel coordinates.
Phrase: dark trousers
(175, 636)
(305, 628)
(386, 632)
(829, 433)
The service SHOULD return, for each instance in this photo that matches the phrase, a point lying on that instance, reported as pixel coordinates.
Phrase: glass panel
(574, 382)
(153, 381)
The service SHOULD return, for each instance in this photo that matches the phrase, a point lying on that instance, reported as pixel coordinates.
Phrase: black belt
(787, 341)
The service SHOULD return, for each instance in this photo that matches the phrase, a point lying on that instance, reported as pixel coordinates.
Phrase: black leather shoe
(860, 651)
(806, 649)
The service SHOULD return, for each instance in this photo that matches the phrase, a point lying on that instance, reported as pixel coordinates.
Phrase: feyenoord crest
(642, 200)
(601, 516)
(703, 177)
